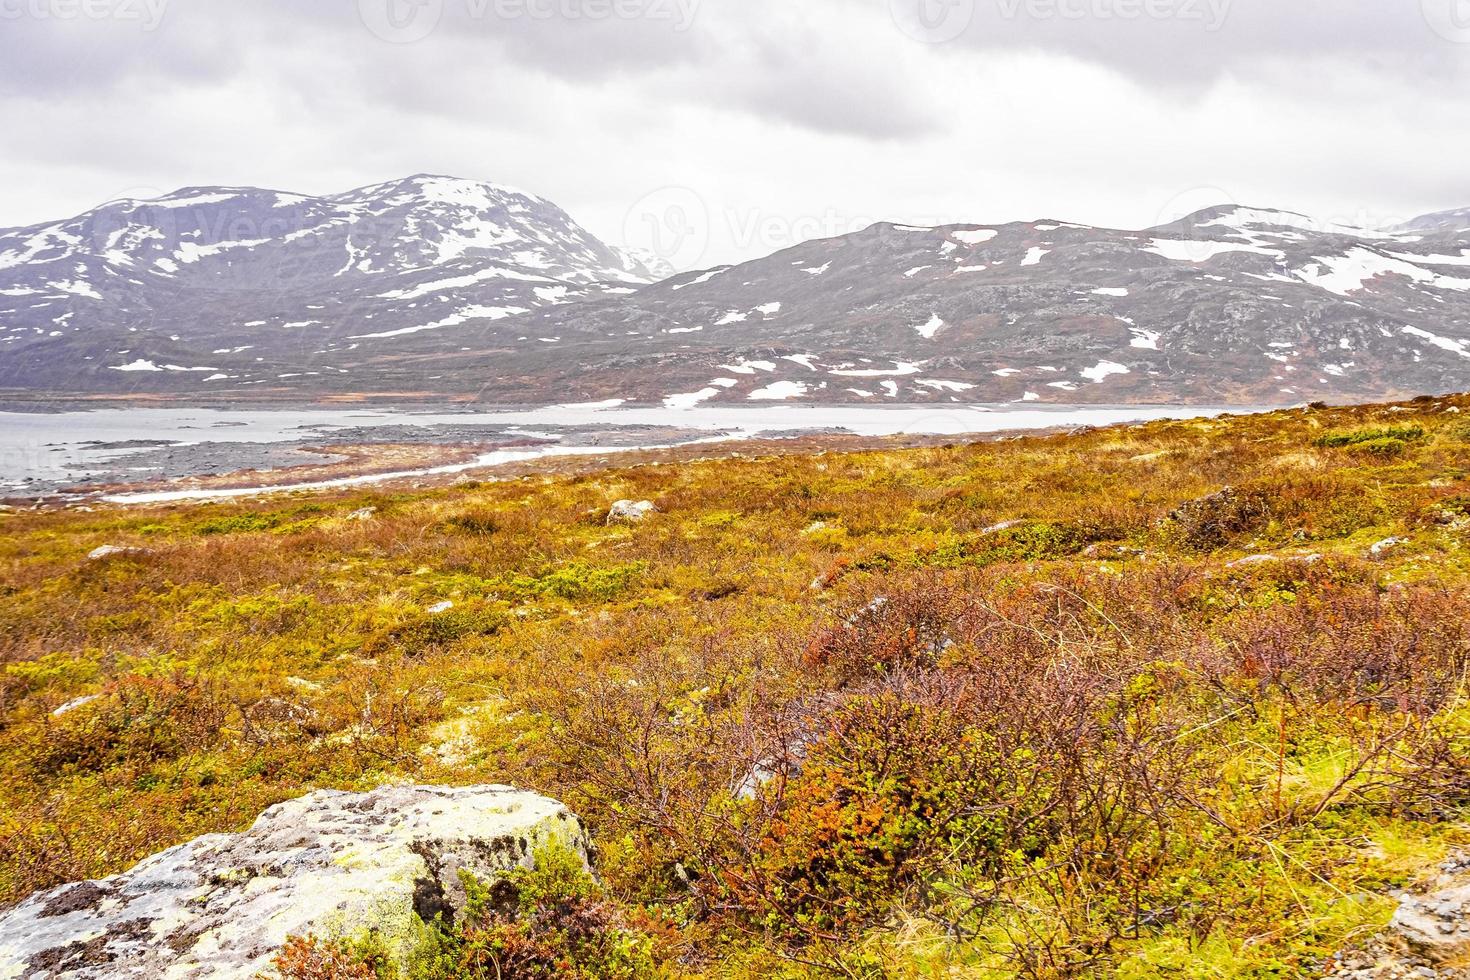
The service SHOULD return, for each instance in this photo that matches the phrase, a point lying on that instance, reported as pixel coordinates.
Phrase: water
(61, 448)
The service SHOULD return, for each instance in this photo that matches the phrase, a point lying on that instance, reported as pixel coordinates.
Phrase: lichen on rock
(329, 863)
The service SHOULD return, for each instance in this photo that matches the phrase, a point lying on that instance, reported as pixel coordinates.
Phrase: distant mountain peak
(1447, 222)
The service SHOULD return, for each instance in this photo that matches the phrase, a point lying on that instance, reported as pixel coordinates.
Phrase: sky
(718, 130)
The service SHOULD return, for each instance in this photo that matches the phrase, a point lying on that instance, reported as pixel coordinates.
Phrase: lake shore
(154, 455)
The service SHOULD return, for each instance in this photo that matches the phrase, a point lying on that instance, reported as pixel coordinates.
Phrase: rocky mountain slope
(435, 287)
(1229, 305)
(215, 288)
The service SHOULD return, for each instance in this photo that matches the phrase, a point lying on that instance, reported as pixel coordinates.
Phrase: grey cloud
(1190, 44)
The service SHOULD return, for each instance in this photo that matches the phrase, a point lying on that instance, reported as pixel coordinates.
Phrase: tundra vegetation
(1179, 699)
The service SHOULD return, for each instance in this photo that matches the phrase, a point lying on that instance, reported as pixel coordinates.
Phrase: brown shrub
(1215, 521)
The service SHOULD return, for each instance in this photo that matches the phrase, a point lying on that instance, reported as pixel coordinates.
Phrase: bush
(141, 721)
(892, 784)
(904, 630)
(1217, 520)
(1401, 434)
(543, 923)
(238, 524)
(1386, 446)
(578, 581)
(478, 522)
(310, 958)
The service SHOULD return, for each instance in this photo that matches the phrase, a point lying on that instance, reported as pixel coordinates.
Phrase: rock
(1436, 925)
(1002, 526)
(113, 551)
(74, 704)
(630, 511)
(330, 863)
(366, 514)
(1429, 935)
(1385, 546)
(868, 613)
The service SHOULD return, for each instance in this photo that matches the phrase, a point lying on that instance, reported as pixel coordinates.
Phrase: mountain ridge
(433, 287)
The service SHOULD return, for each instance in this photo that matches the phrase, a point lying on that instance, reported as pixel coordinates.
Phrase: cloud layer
(751, 123)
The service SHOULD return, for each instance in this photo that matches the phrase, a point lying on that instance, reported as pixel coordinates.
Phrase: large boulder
(1435, 920)
(331, 863)
(113, 551)
(630, 511)
(1428, 937)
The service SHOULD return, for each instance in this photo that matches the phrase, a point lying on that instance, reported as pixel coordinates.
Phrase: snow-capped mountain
(1440, 222)
(1230, 305)
(187, 284)
(433, 287)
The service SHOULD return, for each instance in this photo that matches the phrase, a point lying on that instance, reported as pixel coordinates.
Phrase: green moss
(1399, 435)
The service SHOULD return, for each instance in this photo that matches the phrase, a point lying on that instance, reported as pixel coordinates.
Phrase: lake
(57, 451)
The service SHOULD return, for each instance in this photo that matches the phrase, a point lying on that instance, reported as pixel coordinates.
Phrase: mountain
(1440, 222)
(1233, 305)
(434, 287)
(226, 286)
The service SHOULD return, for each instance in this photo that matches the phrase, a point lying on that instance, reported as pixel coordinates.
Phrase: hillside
(223, 289)
(1174, 699)
(435, 289)
(1227, 306)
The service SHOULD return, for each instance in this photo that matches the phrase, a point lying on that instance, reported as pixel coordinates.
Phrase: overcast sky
(725, 129)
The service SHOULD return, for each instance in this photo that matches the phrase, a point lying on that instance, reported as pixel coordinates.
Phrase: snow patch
(706, 277)
(1443, 343)
(453, 320)
(778, 391)
(1345, 274)
(680, 403)
(902, 368)
(932, 327)
(145, 365)
(1102, 370)
(748, 367)
(1145, 339)
(1193, 250)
